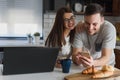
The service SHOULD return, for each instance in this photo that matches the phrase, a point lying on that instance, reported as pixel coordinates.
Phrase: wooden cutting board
(80, 76)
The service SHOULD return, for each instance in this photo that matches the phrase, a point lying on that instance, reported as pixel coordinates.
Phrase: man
(98, 36)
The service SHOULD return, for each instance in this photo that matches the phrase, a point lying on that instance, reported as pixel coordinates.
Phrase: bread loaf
(106, 71)
(102, 74)
(89, 70)
(107, 68)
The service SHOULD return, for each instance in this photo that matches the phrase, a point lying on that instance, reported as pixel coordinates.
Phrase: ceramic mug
(66, 64)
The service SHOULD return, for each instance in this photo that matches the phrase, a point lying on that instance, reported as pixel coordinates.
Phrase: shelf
(112, 7)
(82, 13)
(78, 13)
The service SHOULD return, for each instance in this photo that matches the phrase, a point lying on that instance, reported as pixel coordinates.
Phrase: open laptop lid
(19, 60)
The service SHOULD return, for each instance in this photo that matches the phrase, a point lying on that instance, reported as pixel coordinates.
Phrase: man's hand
(87, 61)
(77, 59)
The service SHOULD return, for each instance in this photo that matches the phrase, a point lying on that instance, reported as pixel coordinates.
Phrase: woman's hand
(58, 64)
(80, 27)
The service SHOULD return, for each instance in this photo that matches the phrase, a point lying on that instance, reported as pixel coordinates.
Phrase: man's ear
(102, 20)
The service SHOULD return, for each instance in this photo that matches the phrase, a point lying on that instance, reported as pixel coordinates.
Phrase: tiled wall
(49, 20)
(48, 23)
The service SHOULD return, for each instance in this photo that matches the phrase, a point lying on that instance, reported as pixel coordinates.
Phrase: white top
(66, 49)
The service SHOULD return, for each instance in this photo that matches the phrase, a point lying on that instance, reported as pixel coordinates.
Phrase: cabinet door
(116, 8)
(117, 58)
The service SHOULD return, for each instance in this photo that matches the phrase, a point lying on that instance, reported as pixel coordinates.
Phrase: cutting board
(80, 76)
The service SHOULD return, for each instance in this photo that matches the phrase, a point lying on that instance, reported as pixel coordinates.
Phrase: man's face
(93, 22)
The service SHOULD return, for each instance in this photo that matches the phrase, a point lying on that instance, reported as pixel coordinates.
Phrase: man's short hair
(94, 8)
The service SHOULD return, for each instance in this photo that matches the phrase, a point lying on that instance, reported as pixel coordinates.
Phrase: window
(20, 17)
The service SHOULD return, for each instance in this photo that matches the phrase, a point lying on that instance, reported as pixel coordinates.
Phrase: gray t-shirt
(105, 38)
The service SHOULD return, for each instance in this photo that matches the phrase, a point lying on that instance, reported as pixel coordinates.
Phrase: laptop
(20, 60)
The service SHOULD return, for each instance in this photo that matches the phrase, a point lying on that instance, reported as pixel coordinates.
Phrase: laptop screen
(19, 60)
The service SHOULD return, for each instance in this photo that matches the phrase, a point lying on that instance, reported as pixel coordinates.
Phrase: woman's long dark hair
(56, 36)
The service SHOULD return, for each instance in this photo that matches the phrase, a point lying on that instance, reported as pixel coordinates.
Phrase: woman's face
(69, 21)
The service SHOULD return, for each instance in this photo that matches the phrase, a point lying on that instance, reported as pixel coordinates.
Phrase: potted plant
(37, 37)
(36, 34)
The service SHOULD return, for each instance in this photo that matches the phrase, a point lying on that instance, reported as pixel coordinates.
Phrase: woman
(62, 33)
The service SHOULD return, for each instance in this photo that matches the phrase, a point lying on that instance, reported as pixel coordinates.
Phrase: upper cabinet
(116, 8)
(112, 7)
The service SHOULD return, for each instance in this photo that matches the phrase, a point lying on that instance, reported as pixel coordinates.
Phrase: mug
(66, 64)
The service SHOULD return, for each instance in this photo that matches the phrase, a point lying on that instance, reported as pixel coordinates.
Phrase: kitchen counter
(55, 75)
(23, 43)
(117, 47)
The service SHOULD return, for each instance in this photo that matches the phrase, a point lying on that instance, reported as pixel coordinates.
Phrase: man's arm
(105, 56)
(108, 44)
(104, 59)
